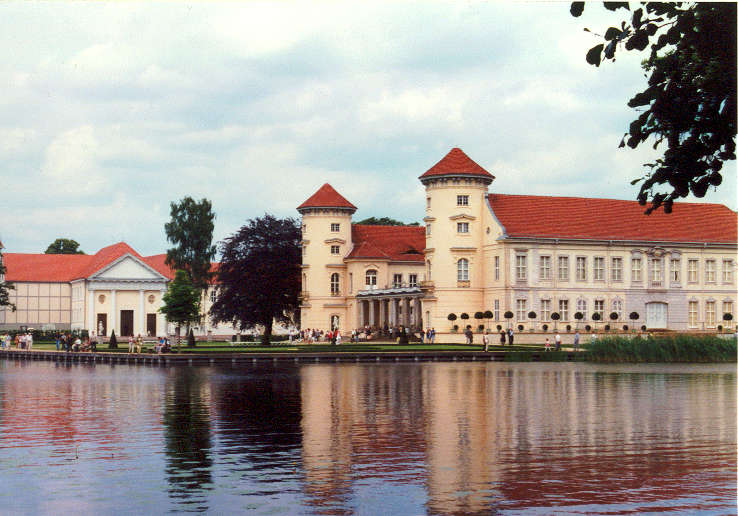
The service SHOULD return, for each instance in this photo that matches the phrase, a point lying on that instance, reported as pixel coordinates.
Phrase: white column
(113, 322)
(393, 311)
(406, 311)
(142, 314)
(382, 313)
(91, 314)
(371, 312)
(161, 320)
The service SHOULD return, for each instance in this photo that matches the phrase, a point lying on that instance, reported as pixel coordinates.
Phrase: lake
(398, 438)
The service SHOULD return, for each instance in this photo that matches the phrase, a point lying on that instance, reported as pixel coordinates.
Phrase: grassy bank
(676, 348)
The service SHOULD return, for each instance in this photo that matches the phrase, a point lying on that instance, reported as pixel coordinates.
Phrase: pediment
(128, 267)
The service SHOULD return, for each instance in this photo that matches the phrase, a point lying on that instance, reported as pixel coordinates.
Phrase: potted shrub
(633, 317)
(488, 315)
(607, 327)
(727, 317)
(479, 316)
(643, 328)
(588, 328)
(452, 318)
(509, 315)
(499, 327)
(555, 316)
(532, 316)
(480, 328)
(464, 316)
(568, 328)
(625, 327)
(596, 317)
(544, 327)
(455, 328)
(520, 327)
(578, 316)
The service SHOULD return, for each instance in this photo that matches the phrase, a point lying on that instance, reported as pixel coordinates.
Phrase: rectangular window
(427, 202)
(617, 307)
(692, 271)
(545, 309)
(520, 306)
(335, 249)
(599, 268)
(497, 267)
(656, 272)
(545, 267)
(564, 268)
(335, 227)
(427, 229)
(727, 271)
(462, 200)
(727, 309)
(600, 308)
(635, 269)
(693, 310)
(582, 308)
(675, 270)
(497, 309)
(521, 267)
(581, 268)
(710, 314)
(397, 280)
(462, 227)
(616, 270)
(564, 309)
(709, 271)
(413, 281)
(351, 282)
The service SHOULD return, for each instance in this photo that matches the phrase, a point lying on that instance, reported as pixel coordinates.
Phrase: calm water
(422, 438)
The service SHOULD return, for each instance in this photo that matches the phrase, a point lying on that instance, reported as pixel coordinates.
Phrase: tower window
(462, 200)
(462, 227)
(335, 249)
(335, 227)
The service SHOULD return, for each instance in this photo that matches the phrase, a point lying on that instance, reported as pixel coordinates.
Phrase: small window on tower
(335, 227)
(335, 249)
(462, 200)
(462, 227)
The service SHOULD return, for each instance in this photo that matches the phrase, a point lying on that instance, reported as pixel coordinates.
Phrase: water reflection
(456, 438)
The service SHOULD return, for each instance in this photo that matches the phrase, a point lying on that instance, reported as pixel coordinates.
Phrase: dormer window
(462, 200)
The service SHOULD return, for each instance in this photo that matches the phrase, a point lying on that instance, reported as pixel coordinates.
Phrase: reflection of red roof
(610, 219)
(456, 162)
(68, 267)
(326, 197)
(396, 243)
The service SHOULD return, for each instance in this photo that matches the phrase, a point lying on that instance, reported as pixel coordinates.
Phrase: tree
(5, 287)
(113, 344)
(191, 231)
(181, 302)
(64, 246)
(690, 101)
(385, 221)
(259, 274)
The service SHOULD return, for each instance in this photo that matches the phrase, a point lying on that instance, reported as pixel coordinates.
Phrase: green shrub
(667, 348)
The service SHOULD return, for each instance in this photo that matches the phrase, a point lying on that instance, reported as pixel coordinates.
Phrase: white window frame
(413, 280)
(335, 249)
(563, 267)
(710, 314)
(694, 311)
(335, 282)
(497, 309)
(396, 280)
(497, 268)
(693, 270)
(462, 200)
(335, 227)
(599, 307)
(545, 310)
(370, 278)
(657, 271)
(545, 267)
(582, 307)
(462, 269)
(727, 271)
(521, 309)
(564, 309)
(675, 270)
(462, 228)
(617, 307)
(636, 270)
(599, 268)
(521, 267)
(616, 268)
(710, 271)
(581, 268)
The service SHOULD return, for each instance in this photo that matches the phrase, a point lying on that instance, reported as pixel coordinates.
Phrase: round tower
(326, 240)
(456, 212)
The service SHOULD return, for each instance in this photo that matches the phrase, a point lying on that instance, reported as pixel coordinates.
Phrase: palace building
(524, 254)
(115, 289)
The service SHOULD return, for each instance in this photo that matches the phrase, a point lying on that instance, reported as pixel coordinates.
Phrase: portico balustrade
(390, 307)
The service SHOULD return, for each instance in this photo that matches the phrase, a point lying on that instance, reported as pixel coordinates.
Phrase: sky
(111, 111)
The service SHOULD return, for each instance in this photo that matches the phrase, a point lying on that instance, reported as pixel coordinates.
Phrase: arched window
(462, 269)
(617, 307)
(335, 284)
(371, 278)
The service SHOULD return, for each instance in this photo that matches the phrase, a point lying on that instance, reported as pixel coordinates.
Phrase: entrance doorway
(102, 325)
(126, 323)
(151, 325)
(656, 315)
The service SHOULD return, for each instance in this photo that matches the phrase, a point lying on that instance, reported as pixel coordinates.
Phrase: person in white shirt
(29, 341)
(557, 340)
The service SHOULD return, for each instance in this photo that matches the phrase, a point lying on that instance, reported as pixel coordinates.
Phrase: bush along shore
(666, 348)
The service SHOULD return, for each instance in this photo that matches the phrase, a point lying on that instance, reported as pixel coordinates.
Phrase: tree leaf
(612, 33)
(576, 9)
(594, 55)
(613, 6)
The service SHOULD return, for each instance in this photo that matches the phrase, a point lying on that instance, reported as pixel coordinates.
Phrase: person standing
(130, 344)
(557, 340)
(547, 347)
(485, 340)
(29, 341)
(57, 338)
(510, 336)
(502, 337)
(469, 335)
(576, 341)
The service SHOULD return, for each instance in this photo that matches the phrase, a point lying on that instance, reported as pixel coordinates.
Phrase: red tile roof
(456, 162)
(396, 243)
(610, 219)
(68, 267)
(326, 197)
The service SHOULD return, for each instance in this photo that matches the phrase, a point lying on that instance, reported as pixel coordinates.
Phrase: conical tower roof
(327, 197)
(456, 163)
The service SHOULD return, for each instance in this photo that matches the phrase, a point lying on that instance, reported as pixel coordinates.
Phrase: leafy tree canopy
(385, 221)
(259, 274)
(4, 286)
(64, 246)
(181, 302)
(191, 231)
(689, 103)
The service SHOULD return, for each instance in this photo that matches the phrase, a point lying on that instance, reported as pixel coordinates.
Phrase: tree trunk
(266, 339)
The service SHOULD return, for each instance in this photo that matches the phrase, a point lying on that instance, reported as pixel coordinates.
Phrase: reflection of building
(113, 289)
(519, 253)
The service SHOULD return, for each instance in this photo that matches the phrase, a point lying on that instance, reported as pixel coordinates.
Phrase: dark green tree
(64, 246)
(259, 274)
(191, 231)
(181, 302)
(384, 221)
(5, 287)
(689, 103)
(113, 344)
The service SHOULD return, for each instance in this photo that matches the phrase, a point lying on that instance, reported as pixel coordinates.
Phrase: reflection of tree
(188, 439)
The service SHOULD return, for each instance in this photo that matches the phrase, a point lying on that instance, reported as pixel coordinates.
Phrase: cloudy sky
(110, 111)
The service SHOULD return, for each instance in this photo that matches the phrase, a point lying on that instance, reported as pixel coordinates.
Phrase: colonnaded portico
(389, 307)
